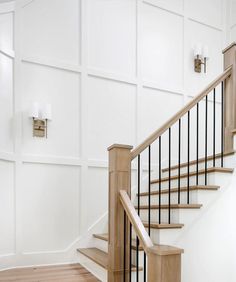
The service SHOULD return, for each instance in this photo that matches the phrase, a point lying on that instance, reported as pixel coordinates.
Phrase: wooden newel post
(230, 96)
(119, 179)
(164, 264)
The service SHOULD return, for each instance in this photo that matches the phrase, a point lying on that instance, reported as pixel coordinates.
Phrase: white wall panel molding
(153, 85)
(111, 76)
(26, 3)
(112, 46)
(39, 159)
(47, 62)
(7, 203)
(7, 255)
(206, 24)
(8, 53)
(56, 39)
(7, 7)
(5, 156)
(96, 73)
(97, 67)
(163, 6)
(233, 26)
(231, 12)
(58, 161)
(162, 47)
(206, 11)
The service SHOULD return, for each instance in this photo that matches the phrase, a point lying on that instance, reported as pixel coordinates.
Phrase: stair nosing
(164, 225)
(172, 206)
(182, 189)
(104, 265)
(200, 160)
(193, 173)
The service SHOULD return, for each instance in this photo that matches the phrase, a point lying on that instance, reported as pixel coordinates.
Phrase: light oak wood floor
(59, 273)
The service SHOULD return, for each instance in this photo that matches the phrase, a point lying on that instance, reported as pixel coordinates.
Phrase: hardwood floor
(58, 273)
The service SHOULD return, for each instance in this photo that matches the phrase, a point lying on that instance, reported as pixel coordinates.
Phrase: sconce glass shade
(34, 110)
(197, 50)
(47, 112)
(205, 52)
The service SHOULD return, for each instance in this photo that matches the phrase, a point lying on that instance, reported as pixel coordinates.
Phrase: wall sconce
(40, 116)
(201, 55)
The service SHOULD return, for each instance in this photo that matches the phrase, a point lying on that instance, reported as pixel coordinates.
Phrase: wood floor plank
(59, 273)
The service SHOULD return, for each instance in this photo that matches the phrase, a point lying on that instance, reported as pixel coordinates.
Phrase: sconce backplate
(198, 65)
(39, 128)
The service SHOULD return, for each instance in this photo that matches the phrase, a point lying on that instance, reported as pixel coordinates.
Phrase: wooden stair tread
(154, 225)
(193, 173)
(172, 206)
(164, 225)
(98, 256)
(200, 160)
(233, 131)
(182, 189)
(104, 237)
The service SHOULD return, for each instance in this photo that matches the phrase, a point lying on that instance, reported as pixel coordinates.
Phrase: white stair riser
(165, 236)
(229, 161)
(174, 198)
(214, 178)
(101, 244)
(164, 215)
(183, 182)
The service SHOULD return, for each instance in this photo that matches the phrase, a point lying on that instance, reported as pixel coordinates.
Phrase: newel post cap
(121, 146)
(232, 45)
(163, 250)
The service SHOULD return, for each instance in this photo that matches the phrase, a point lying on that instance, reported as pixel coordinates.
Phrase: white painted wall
(109, 68)
(232, 20)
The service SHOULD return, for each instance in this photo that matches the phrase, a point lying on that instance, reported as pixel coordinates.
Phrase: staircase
(170, 193)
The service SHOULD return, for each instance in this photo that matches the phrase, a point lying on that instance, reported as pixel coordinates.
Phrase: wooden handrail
(135, 220)
(139, 149)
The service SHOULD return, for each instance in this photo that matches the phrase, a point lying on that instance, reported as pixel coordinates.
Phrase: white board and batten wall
(232, 20)
(108, 68)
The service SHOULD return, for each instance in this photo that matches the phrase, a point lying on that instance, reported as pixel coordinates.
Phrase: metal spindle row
(178, 167)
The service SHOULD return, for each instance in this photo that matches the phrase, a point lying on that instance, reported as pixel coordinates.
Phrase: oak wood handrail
(135, 220)
(140, 148)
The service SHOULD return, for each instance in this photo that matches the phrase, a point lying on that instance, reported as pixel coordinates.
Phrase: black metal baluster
(179, 160)
(222, 123)
(124, 272)
(144, 267)
(206, 140)
(137, 240)
(169, 196)
(149, 206)
(130, 253)
(188, 156)
(197, 145)
(137, 259)
(159, 180)
(149, 190)
(214, 127)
